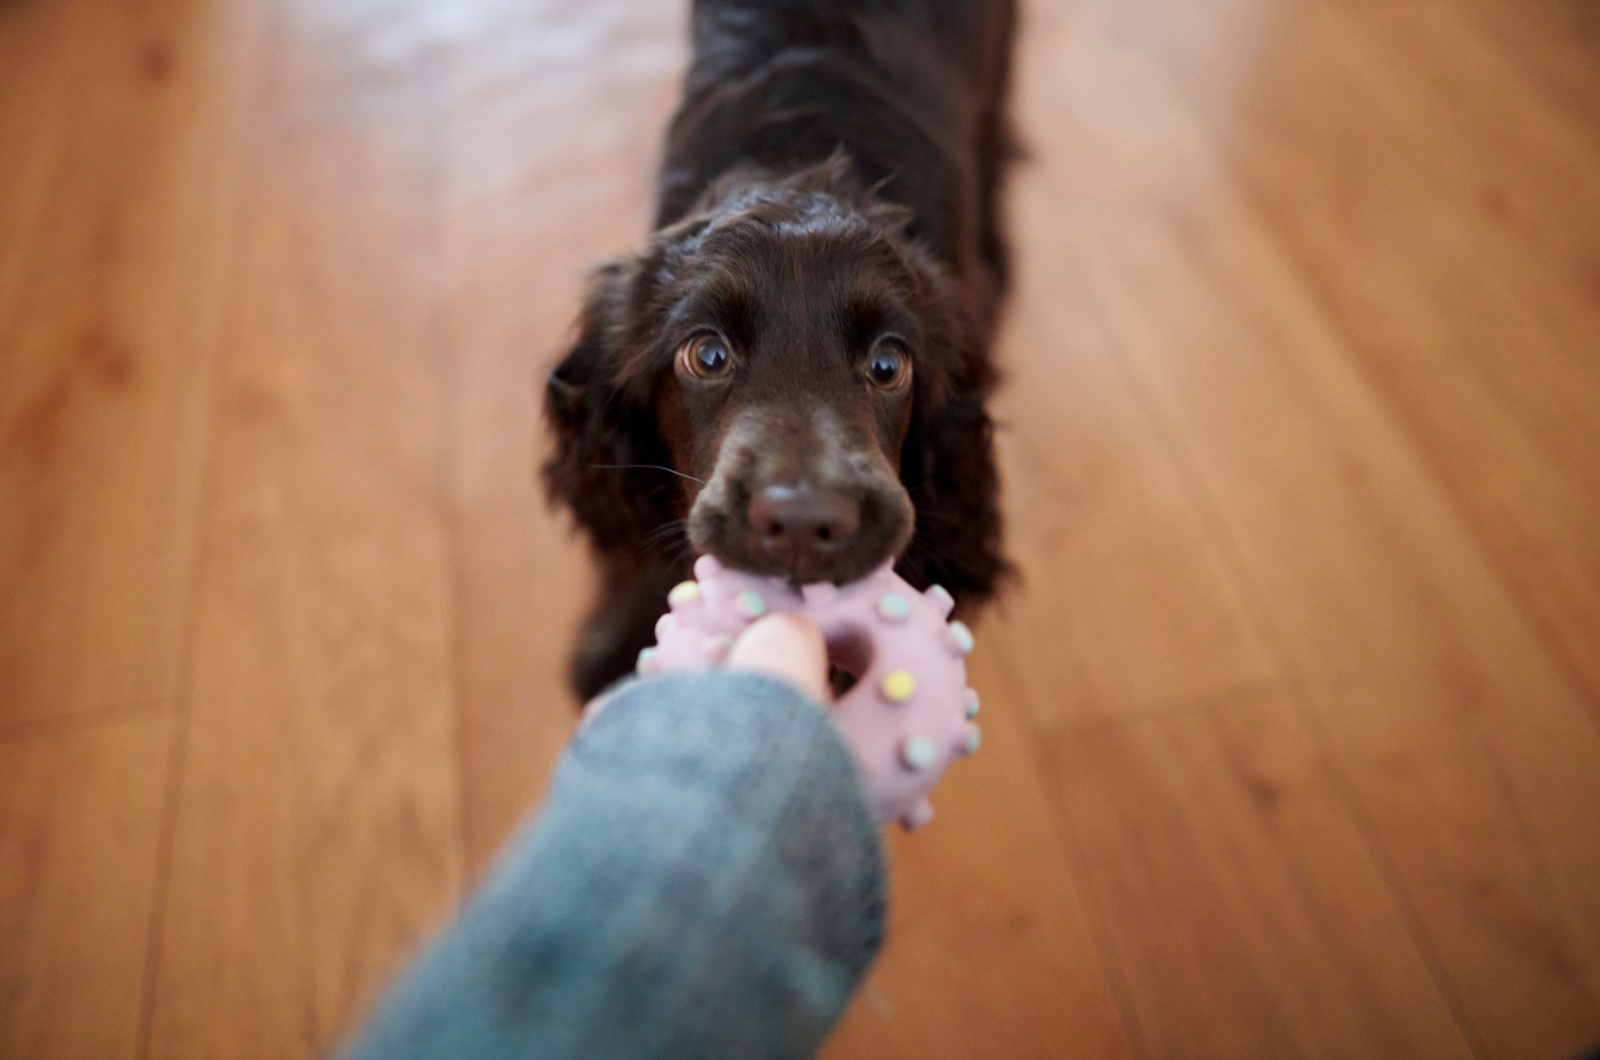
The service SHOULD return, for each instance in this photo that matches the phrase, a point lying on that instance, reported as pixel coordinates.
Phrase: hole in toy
(849, 656)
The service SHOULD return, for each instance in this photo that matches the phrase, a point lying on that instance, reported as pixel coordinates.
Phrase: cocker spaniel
(792, 374)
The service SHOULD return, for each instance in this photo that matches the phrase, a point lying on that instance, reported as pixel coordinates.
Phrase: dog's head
(789, 379)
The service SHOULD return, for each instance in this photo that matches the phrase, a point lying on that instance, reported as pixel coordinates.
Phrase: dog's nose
(802, 526)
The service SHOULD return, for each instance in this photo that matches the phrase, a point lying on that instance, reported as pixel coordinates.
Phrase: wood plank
(521, 594)
(531, 201)
(1124, 602)
(118, 190)
(319, 829)
(1554, 45)
(1470, 752)
(1301, 397)
(1243, 901)
(1486, 238)
(80, 825)
(989, 950)
(1468, 749)
(41, 54)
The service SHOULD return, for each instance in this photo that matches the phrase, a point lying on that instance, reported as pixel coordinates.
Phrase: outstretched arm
(705, 880)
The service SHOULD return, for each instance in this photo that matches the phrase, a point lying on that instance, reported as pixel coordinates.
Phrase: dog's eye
(888, 368)
(705, 357)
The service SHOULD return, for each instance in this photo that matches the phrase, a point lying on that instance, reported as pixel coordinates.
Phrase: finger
(788, 647)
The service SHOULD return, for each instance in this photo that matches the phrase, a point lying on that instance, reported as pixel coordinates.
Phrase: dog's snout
(801, 526)
(805, 501)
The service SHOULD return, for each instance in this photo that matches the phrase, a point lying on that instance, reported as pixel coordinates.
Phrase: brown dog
(792, 375)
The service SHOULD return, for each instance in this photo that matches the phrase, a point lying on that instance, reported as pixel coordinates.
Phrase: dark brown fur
(832, 177)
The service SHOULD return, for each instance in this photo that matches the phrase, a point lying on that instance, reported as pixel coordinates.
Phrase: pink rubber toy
(907, 717)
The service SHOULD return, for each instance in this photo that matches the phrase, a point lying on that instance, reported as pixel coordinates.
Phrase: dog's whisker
(667, 541)
(669, 525)
(930, 515)
(922, 550)
(666, 544)
(912, 564)
(662, 534)
(685, 552)
(935, 519)
(665, 536)
(647, 467)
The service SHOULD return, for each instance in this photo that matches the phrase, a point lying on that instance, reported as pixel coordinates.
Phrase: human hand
(788, 647)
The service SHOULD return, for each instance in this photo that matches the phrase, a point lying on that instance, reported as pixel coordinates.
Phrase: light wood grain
(1461, 736)
(1552, 44)
(80, 821)
(1241, 898)
(527, 215)
(118, 178)
(1466, 255)
(1434, 691)
(1124, 602)
(1428, 679)
(1292, 726)
(318, 833)
(990, 949)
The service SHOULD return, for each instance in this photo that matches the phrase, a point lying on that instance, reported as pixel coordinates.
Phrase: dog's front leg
(632, 596)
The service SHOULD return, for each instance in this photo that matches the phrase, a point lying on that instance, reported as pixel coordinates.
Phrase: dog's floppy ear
(604, 430)
(948, 466)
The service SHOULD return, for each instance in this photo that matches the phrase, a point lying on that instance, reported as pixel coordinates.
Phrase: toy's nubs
(908, 715)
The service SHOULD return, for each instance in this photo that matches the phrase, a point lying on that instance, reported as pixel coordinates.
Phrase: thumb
(788, 647)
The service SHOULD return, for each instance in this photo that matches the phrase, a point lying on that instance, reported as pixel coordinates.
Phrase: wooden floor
(1292, 736)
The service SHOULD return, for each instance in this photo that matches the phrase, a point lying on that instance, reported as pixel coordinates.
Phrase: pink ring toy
(907, 717)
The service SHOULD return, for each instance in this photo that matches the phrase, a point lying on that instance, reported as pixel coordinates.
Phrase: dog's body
(799, 361)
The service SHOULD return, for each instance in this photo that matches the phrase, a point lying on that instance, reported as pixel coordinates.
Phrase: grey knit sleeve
(705, 880)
